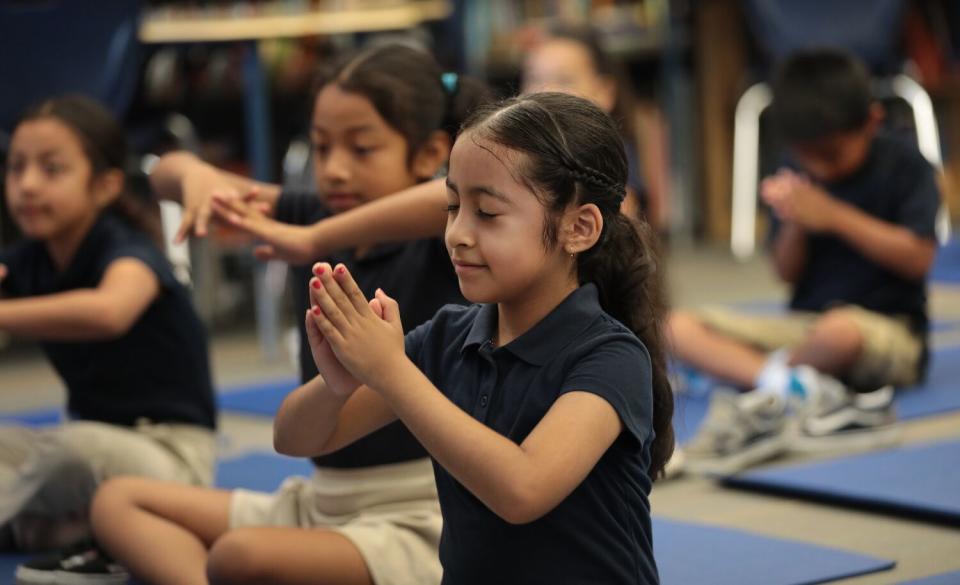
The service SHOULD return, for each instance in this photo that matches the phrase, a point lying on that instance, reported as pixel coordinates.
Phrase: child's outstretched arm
(417, 212)
(127, 288)
(520, 483)
(184, 178)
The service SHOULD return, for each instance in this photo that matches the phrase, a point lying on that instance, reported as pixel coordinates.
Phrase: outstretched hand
(365, 337)
(282, 241)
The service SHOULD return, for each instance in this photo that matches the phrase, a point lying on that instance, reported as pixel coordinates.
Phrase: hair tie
(450, 80)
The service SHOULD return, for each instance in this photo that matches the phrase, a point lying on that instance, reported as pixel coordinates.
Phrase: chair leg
(928, 137)
(746, 149)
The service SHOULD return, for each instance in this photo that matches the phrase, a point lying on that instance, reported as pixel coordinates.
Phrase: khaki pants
(389, 512)
(891, 351)
(53, 472)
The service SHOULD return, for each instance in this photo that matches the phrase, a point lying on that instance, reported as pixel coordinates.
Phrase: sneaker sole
(859, 440)
(28, 576)
(759, 452)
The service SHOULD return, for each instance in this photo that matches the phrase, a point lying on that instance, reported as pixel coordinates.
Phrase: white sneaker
(838, 419)
(739, 431)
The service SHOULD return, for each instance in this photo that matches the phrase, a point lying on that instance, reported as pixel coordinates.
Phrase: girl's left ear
(432, 155)
(582, 228)
(108, 187)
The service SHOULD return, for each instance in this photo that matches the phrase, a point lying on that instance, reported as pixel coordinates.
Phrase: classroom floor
(697, 276)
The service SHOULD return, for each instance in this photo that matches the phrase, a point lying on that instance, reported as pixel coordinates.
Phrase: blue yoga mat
(262, 472)
(939, 393)
(699, 554)
(946, 266)
(261, 399)
(942, 579)
(35, 418)
(922, 481)
(8, 566)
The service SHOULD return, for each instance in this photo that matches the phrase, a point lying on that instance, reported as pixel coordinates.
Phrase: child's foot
(81, 564)
(838, 419)
(740, 430)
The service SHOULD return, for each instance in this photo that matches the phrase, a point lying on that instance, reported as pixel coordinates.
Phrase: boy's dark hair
(408, 89)
(573, 155)
(105, 146)
(819, 92)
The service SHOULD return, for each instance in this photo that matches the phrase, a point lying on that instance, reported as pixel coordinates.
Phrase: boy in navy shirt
(854, 237)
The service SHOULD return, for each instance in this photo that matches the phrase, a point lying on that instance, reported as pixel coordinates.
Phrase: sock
(774, 377)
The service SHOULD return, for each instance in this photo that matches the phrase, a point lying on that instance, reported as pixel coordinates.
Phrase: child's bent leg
(833, 345)
(718, 355)
(883, 351)
(40, 479)
(286, 556)
(160, 531)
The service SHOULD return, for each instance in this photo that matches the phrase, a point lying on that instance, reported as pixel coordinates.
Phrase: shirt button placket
(486, 389)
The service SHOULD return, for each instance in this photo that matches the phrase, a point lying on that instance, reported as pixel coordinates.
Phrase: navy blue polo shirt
(601, 532)
(158, 370)
(418, 274)
(897, 185)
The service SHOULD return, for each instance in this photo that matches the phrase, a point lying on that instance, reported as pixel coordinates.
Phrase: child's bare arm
(417, 212)
(184, 178)
(128, 287)
(790, 252)
(890, 245)
(313, 420)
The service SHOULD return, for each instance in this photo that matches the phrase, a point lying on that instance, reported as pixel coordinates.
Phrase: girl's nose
(458, 232)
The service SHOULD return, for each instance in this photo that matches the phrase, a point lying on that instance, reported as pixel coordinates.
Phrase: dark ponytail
(574, 155)
(105, 147)
(408, 89)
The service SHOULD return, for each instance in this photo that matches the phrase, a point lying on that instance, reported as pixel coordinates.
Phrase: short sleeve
(921, 201)
(414, 340)
(146, 252)
(299, 208)
(20, 258)
(618, 370)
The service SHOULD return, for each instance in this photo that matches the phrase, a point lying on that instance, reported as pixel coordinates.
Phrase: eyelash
(482, 214)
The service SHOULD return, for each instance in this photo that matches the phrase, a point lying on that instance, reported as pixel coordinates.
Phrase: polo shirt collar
(550, 335)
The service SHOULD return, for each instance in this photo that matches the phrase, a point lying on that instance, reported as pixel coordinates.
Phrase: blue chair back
(869, 29)
(50, 47)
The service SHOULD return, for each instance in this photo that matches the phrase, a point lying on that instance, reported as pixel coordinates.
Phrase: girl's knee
(235, 558)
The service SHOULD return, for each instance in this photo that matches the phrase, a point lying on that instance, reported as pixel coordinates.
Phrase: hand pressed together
(796, 200)
(366, 338)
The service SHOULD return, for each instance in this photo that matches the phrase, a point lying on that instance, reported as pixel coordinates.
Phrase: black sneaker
(81, 564)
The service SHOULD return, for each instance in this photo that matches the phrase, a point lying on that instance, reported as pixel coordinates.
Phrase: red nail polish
(316, 284)
(316, 310)
(319, 270)
(341, 270)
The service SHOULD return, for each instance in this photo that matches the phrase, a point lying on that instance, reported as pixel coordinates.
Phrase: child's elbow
(523, 505)
(112, 325)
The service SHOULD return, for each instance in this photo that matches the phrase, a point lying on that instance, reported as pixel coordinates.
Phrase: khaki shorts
(891, 351)
(53, 472)
(389, 512)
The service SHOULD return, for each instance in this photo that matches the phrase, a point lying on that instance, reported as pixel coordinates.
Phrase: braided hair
(573, 155)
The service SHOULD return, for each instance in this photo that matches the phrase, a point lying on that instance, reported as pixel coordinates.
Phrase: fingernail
(318, 270)
(316, 310)
(341, 270)
(315, 283)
